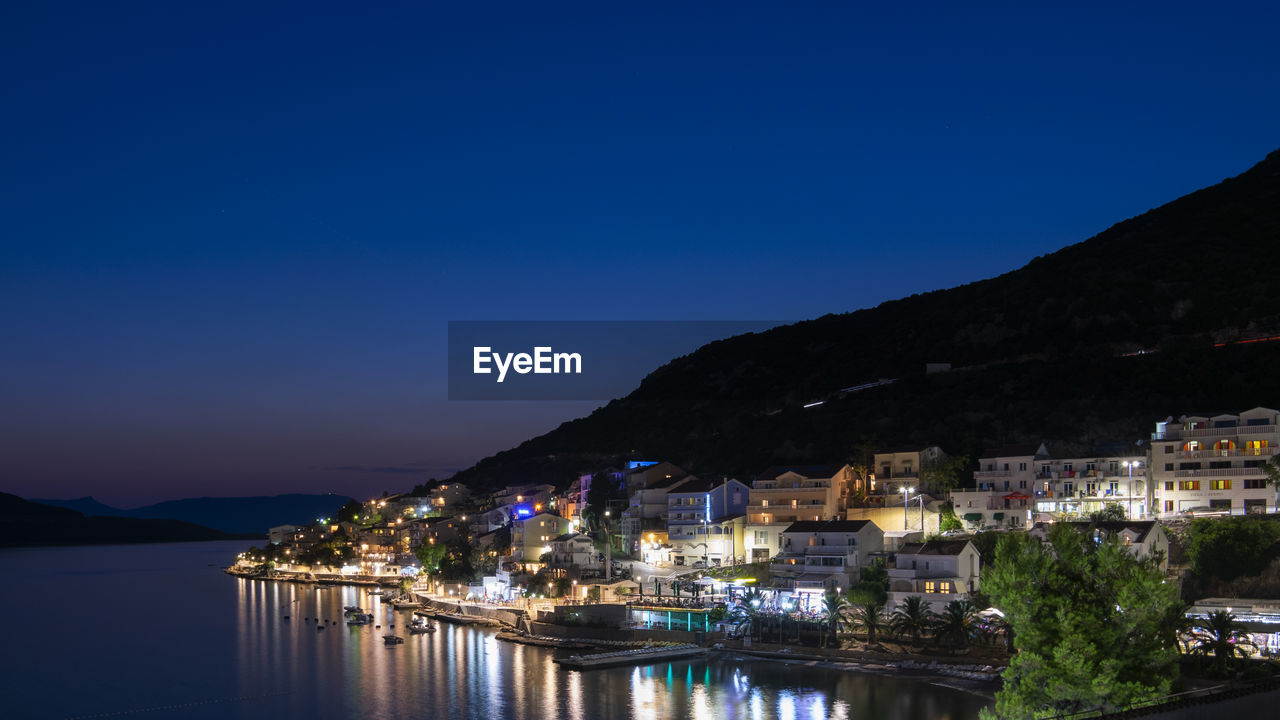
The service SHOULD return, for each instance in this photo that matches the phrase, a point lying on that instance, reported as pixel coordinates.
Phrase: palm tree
(870, 617)
(955, 626)
(1223, 637)
(748, 611)
(913, 616)
(835, 609)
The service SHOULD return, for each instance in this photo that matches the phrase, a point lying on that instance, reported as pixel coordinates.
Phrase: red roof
(1015, 495)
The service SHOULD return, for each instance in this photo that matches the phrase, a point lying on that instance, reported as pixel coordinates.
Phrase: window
(1068, 487)
(1168, 467)
(1189, 466)
(1254, 483)
(1220, 485)
(1006, 467)
(1168, 485)
(1066, 467)
(1168, 449)
(1022, 484)
(764, 503)
(1114, 487)
(1168, 506)
(1189, 485)
(1022, 466)
(1091, 487)
(930, 586)
(1090, 467)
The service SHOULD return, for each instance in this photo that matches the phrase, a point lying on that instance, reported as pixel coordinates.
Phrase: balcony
(821, 487)
(1183, 434)
(1255, 452)
(1220, 472)
(991, 474)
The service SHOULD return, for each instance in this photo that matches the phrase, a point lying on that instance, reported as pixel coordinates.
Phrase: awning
(973, 517)
(998, 516)
(1016, 496)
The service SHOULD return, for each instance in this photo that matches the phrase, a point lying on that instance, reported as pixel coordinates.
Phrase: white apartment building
(1083, 486)
(705, 522)
(992, 509)
(783, 495)
(1213, 462)
(938, 571)
(817, 556)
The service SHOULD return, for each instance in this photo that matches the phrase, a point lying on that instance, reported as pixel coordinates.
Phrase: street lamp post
(906, 501)
(1131, 464)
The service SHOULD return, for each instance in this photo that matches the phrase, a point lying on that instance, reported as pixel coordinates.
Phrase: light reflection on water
(219, 647)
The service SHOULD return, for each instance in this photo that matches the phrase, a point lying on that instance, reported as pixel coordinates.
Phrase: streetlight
(1131, 464)
(906, 500)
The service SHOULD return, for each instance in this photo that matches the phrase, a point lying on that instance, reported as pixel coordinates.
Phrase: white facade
(937, 571)
(1214, 463)
(817, 556)
(992, 509)
(1083, 486)
(1142, 538)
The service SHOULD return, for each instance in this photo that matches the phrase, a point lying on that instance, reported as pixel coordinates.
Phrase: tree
(563, 586)
(943, 474)
(949, 522)
(1087, 618)
(835, 613)
(1232, 547)
(1222, 637)
(748, 610)
(956, 624)
(870, 618)
(593, 594)
(1111, 512)
(429, 556)
(350, 512)
(457, 565)
(913, 617)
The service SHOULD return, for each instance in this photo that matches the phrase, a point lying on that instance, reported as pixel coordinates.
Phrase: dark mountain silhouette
(1089, 344)
(23, 523)
(239, 515)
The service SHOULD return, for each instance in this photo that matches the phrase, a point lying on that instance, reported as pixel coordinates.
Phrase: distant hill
(1087, 345)
(238, 515)
(24, 523)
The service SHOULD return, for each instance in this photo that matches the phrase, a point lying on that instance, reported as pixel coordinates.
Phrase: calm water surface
(158, 631)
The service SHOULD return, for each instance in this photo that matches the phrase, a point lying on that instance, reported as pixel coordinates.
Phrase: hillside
(1045, 352)
(25, 523)
(240, 515)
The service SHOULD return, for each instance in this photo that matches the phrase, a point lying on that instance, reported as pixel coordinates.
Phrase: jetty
(640, 656)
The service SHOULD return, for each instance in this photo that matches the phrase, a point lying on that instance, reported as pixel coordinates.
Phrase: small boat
(359, 619)
(392, 640)
(352, 610)
(421, 625)
(377, 591)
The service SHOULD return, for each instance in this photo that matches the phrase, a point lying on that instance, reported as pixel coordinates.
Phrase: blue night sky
(233, 233)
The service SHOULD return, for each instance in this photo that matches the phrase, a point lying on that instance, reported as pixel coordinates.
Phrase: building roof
(668, 482)
(702, 485)
(1141, 528)
(805, 526)
(807, 471)
(935, 547)
(816, 526)
(568, 536)
(1023, 450)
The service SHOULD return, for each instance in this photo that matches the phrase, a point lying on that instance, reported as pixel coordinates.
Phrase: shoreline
(972, 679)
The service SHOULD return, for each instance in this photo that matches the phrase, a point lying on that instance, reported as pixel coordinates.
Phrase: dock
(643, 656)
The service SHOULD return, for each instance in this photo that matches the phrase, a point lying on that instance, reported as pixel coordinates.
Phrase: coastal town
(887, 556)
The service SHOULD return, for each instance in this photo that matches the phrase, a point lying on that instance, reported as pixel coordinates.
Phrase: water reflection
(185, 641)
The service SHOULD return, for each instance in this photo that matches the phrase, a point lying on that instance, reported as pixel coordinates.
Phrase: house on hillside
(822, 555)
(937, 571)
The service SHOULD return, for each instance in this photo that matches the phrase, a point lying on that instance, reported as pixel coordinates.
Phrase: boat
(352, 610)
(421, 625)
(392, 640)
(359, 618)
(377, 591)
(405, 602)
